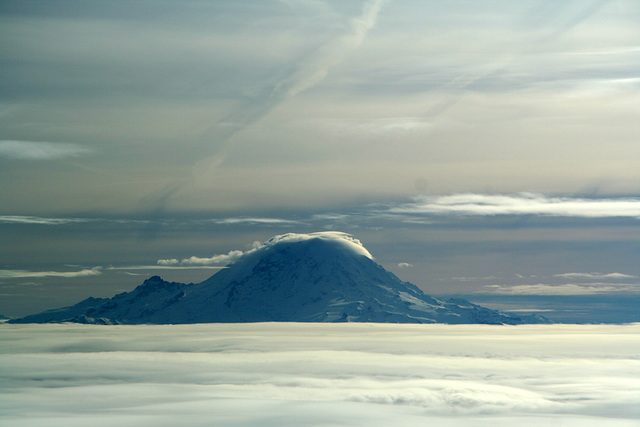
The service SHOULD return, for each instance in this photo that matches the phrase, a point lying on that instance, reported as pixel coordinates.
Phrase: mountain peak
(316, 277)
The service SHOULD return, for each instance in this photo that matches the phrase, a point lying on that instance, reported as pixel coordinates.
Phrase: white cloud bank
(37, 150)
(520, 204)
(274, 374)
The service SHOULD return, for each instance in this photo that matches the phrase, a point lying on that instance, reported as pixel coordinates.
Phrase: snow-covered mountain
(317, 277)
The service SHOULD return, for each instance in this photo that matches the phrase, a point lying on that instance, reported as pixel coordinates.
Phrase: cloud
(30, 150)
(563, 289)
(520, 204)
(344, 239)
(15, 274)
(22, 219)
(222, 259)
(305, 75)
(312, 72)
(163, 264)
(596, 276)
(404, 265)
(255, 220)
(272, 374)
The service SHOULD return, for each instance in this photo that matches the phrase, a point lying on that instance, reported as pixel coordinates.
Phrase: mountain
(317, 277)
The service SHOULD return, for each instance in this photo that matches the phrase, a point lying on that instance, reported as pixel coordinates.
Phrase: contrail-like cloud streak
(305, 75)
(312, 73)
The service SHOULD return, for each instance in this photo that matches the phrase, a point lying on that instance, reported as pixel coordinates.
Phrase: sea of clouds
(284, 374)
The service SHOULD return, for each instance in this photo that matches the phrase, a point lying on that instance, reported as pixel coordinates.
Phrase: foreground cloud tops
(272, 374)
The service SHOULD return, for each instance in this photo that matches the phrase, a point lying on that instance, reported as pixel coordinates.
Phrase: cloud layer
(317, 374)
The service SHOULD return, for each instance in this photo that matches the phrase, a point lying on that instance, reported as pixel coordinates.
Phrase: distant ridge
(317, 277)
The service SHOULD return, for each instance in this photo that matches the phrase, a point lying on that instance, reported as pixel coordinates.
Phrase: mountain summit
(317, 277)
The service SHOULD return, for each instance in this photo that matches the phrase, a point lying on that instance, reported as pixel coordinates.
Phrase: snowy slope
(318, 277)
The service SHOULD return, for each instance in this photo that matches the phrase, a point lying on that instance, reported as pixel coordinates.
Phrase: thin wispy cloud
(19, 274)
(596, 276)
(38, 150)
(593, 288)
(25, 219)
(168, 264)
(255, 220)
(520, 204)
(312, 72)
(305, 75)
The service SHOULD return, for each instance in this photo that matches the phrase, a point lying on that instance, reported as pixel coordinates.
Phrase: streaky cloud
(163, 264)
(254, 220)
(473, 204)
(40, 150)
(311, 73)
(17, 274)
(26, 219)
(596, 276)
(593, 288)
(304, 76)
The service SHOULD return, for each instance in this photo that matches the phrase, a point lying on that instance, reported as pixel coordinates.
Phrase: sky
(480, 148)
(275, 374)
